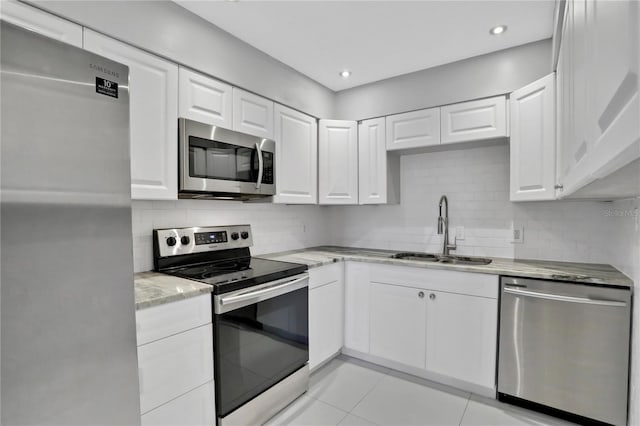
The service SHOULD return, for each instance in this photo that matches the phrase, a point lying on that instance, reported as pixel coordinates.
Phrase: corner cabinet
(326, 313)
(296, 137)
(473, 120)
(203, 99)
(533, 143)
(48, 25)
(153, 111)
(338, 162)
(378, 172)
(413, 129)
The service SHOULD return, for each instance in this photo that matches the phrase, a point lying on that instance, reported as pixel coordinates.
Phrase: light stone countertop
(588, 273)
(155, 288)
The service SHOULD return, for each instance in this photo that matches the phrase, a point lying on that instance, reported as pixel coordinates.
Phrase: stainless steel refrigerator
(68, 342)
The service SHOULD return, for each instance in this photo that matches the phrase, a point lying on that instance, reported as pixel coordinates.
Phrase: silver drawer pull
(559, 298)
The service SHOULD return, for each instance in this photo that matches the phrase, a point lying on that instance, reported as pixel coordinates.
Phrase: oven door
(261, 336)
(220, 161)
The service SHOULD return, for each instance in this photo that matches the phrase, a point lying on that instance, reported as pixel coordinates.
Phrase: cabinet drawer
(162, 321)
(194, 408)
(325, 275)
(173, 366)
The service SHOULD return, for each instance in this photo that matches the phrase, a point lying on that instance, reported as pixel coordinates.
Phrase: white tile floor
(350, 392)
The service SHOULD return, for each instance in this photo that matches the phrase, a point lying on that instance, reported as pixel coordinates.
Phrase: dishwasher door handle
(571, 299)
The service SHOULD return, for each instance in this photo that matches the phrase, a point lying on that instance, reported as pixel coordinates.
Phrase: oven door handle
(560, 298)
(260, 166)
(240, 299)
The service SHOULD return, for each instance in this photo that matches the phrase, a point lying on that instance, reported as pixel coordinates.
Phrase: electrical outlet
(459, 232)
(517, 233)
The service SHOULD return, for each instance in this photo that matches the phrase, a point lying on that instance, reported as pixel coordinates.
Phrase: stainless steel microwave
(217, 163)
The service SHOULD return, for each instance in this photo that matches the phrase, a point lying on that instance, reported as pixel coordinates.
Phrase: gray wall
(478, 77)
(168, 30)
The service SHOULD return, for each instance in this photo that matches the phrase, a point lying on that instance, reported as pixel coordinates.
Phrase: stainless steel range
(260, 320)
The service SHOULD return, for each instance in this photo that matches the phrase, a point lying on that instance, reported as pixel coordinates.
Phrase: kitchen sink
(423, 257)
(453, 259)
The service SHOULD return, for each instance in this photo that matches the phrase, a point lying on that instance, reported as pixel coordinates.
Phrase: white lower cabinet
(326, 313)
(194, 408)
(441, 325)
(397, 324)
(462, 333)
(175, 363)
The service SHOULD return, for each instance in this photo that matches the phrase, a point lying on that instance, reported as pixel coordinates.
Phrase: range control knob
(245, 235)
(185, 240)
(234, 235)
(171, 241)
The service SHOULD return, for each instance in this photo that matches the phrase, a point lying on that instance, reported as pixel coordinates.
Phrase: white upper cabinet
(413, 129)
(252, 114)
(41, 22)
(613, 42)
(474, 120)
(338, 162)
(533, 146)
(398, 328)
(153, 110)
(204, 99)
(296, 137)
(372, 162)
(599, 101)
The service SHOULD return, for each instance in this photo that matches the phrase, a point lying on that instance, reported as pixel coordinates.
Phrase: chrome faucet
(443, 227)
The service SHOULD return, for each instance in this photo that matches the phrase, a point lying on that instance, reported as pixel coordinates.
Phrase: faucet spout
(443, 226)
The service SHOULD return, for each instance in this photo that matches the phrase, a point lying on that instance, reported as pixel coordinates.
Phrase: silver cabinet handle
(421, 294)
(559, 298)
(432, 296)
(260, 166)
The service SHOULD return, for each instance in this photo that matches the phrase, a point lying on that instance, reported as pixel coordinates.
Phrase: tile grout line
(367, 394)
(465, 410)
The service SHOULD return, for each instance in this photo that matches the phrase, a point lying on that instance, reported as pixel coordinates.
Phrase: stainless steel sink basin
(453, 259)
(423, 257)
(464, 260)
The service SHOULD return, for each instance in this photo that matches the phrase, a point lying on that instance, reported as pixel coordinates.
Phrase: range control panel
(178, 241)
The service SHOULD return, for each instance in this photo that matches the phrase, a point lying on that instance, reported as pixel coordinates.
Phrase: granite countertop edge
(587, 273)
(155, 288)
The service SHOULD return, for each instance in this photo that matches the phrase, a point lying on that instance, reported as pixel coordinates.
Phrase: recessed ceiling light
(498, 30)
(345, 74)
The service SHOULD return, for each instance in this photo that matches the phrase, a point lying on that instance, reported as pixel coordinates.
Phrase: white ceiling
(376, 39)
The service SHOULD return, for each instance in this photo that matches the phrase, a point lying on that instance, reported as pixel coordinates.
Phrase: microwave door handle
(260, 166)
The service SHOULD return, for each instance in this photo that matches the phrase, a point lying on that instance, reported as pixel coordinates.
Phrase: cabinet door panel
(41, 22)
(204, 99)
(398, 321)
(338, 162)
(372, 162)
(413, 129)
(461, 337)
(356, 306)
(325, 321)
(474, 120)
(533, 148)
(195, 408)
(153, 111)
(296, 137)
(173, 366)
(252, 114)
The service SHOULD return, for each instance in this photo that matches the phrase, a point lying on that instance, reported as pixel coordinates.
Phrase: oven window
(257, 346)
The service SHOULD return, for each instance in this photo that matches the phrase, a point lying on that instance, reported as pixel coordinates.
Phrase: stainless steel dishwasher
(565, 346)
